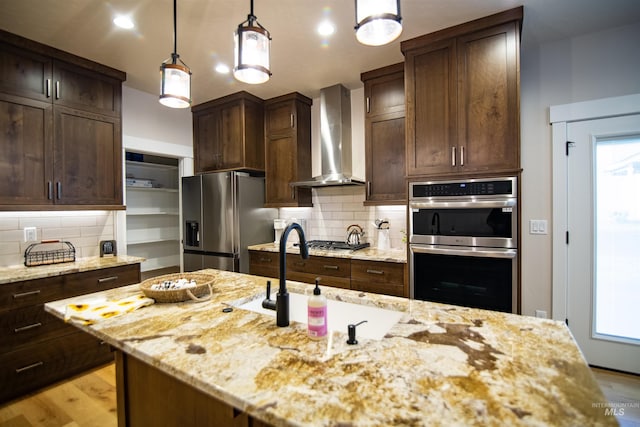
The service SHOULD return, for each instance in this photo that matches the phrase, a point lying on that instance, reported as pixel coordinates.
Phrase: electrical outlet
(538, 226)
(541, 314)
(30, 234)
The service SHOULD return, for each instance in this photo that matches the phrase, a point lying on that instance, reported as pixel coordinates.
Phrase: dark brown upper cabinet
(288, 150)
(385, 135)
(228, 134)
(462, 87)
(62, 136)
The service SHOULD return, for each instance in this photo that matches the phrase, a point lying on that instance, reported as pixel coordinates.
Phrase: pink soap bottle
(317, 314)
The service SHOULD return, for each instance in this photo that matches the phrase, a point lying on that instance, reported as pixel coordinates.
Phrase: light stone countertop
(365, 254)
(439, 365)
(18, 273)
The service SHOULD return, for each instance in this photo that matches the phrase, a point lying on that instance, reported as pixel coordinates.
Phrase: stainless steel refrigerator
(223, 213)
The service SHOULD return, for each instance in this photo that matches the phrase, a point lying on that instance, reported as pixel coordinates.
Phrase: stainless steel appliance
(223, 213)
(463, 242)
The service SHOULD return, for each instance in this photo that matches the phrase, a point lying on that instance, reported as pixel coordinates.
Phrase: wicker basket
(203, 287)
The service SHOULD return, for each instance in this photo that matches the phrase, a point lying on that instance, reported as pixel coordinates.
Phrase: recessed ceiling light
(222, 68)
(326, 28)
(123, 21)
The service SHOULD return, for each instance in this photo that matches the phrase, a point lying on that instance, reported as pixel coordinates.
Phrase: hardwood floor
(90, 400)
(86, 400)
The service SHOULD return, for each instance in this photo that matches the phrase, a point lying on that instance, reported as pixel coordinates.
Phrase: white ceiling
(299, 60)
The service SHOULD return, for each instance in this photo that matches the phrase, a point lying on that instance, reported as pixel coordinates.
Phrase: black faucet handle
(268, 303)
(351, 330)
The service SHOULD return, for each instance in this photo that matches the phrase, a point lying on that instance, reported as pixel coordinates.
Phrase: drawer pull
(331, 267)
(299, 264)
(26, 294)
(264, 259)
(107, 279)
(374, 271)
(26, 328)
(26, 368)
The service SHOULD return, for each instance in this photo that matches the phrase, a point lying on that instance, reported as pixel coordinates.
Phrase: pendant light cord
(175, 32)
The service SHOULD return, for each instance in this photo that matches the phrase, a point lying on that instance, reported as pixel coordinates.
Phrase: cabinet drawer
(264, 264)
(34, 366)
(27, 325)
(378, 277)
(31, 292)
(100, 280)
(325, 280)
(320, 266)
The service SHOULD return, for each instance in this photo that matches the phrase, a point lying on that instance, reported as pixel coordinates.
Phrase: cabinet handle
(293, 193)
(58, 89)
(461, 155)
(26, 294)
(48, 88)
(49, 190)
(26, 328)
(374, 271)
(293, 121)
(58, 190)
(26, 368)
(453, 156)
(107, 279)
(299, 264)
(368, 104)
(368, 189)
(331, 267)
(264, 259)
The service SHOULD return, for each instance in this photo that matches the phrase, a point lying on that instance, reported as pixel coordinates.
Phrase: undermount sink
(339, 315)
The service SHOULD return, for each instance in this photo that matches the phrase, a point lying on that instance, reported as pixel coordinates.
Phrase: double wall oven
(463, 242)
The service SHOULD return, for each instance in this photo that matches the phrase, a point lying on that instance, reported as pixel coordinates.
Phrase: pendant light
(175, 76)
(252, 46)
(378, 22)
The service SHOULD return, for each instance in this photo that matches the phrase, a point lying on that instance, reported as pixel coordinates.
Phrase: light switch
(538, 226)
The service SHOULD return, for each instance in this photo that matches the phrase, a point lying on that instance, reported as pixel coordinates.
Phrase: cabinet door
(385, 157)
(431, 108)
(87, 158)
(378, 277)
(24, 74)
(488, 99)
(385, 95)
(281, 169)
(280, 118)
(206, 131)
(25, 151)
(77, 87)
(232, 141)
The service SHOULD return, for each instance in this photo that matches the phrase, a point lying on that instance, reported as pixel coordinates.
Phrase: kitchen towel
(93, 311)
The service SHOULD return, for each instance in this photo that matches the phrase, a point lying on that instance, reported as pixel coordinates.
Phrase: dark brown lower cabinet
(149, 397)
(38, 349)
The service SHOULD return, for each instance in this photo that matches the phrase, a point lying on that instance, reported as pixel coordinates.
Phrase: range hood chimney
(335, 140)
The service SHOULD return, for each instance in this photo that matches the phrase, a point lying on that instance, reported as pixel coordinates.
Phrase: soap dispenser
(317, 314)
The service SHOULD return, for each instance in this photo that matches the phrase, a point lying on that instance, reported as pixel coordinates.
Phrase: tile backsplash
(335, 208)
(84, 229)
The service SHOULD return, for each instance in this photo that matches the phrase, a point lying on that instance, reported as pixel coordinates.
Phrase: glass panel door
(617, 233)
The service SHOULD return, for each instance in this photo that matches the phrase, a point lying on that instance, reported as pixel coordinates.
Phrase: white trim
(559, 116)
(595, 109)
(152, 146)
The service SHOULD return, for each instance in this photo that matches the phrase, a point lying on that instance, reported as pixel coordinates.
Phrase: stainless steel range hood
(335, 140)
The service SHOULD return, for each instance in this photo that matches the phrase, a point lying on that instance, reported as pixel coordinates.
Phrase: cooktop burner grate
(335, 245)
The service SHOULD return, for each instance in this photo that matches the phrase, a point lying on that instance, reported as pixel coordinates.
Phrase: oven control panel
(495, 187)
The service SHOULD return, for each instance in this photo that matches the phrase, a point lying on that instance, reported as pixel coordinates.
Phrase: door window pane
(617, 233)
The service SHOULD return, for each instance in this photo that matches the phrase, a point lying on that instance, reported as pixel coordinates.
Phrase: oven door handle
(465, 251)
(508, 203)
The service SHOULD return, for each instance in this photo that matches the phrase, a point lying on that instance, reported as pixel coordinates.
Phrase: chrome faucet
(282, 298)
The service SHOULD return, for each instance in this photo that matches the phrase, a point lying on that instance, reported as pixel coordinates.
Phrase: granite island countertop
(17, 273)
(439, 365)
(365, 254)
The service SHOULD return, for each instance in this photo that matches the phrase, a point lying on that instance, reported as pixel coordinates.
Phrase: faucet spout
(282, 297)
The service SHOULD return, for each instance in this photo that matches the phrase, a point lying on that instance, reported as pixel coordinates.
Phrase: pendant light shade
(252, 51)
(175, 76)
(378, 22)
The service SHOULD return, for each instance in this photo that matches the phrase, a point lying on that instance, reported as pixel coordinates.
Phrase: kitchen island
(439, 365)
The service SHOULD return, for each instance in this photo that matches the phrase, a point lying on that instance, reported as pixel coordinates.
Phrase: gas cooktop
(335, 245)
